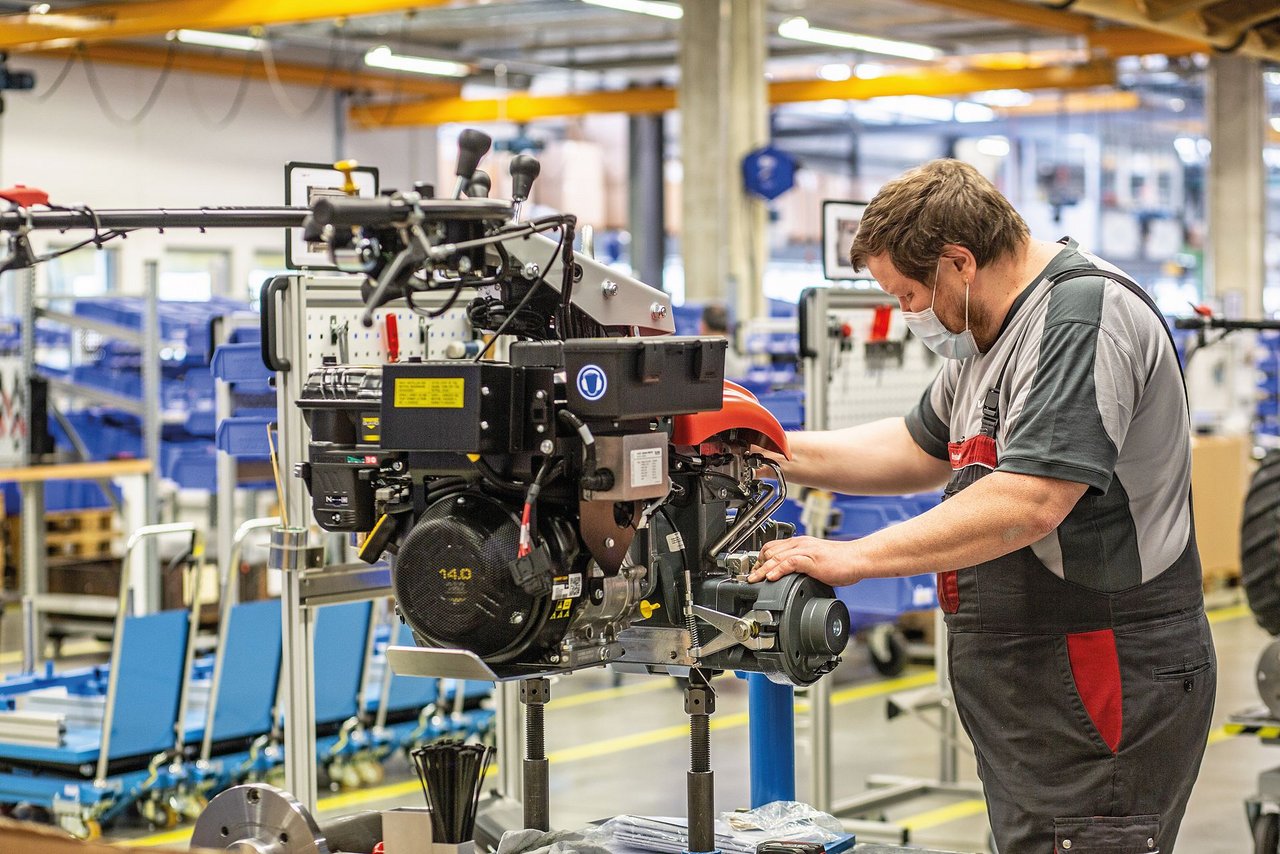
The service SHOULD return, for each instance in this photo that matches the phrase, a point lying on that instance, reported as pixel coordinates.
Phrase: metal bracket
(734, 631)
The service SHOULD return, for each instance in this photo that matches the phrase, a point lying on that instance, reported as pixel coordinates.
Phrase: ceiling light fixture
(799, 30)
(835, 71)
(382, 57)
(670, 11)
(40, 9)
(226, 40)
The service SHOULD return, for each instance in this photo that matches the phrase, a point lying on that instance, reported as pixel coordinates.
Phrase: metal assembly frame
(833, 371)
(295, 307)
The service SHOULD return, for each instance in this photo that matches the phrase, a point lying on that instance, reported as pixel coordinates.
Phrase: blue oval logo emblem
(592, 382)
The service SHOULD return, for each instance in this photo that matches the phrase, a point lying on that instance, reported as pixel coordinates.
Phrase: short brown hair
(943, 201)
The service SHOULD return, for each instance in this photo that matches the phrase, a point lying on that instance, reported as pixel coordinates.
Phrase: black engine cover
(455, 589)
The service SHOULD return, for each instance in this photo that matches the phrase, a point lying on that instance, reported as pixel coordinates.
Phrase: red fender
(741, 412)
(24, 196)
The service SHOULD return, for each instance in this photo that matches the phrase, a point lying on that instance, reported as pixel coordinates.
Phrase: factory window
(267, 264)
(84, 273)
(195, 275)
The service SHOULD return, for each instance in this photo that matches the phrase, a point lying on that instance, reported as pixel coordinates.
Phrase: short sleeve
(1078, 408)
(928, 419)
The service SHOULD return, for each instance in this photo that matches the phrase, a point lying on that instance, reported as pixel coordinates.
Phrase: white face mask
(926, 326)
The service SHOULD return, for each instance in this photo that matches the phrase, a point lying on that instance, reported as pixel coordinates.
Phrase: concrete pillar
(645, 197)
(748, 129)
(723, 115)
(1237, 110)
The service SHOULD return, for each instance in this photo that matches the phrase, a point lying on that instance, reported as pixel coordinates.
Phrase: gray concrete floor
(624, 749)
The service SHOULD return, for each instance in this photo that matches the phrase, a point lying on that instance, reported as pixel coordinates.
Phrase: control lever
(472, 145)
(524, 171)
(480, 185)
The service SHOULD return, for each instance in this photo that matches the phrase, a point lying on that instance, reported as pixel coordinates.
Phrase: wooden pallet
(69, 535)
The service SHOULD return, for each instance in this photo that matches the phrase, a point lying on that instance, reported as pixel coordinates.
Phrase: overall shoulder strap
(1134, 288)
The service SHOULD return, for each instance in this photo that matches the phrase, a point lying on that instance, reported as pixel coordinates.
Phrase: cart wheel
(371, 772)
(92, 830)
(1266, 834)
(887, 649)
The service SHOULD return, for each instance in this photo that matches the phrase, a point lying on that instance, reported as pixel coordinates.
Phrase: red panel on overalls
(971, 460)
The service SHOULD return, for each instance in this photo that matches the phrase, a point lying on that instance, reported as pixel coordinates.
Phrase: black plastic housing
(466, 407)
(642, 377)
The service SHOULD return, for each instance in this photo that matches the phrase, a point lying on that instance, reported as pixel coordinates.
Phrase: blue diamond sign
(768, 172)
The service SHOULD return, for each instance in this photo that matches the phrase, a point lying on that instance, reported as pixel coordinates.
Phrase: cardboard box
(407, 830)
(1220, 470)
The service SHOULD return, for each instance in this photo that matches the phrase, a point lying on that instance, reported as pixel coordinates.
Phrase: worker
(1081, 660)
(715, 322)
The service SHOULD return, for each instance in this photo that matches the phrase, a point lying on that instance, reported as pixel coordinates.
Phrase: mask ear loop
(966, 305)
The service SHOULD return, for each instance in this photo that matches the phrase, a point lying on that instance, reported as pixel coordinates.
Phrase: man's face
(912, 295)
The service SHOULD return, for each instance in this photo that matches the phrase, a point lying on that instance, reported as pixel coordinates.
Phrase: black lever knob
(480, 185)
(524, 171)
(472, 145)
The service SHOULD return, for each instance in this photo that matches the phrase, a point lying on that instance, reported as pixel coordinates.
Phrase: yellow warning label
(370, 428)
(429, 392)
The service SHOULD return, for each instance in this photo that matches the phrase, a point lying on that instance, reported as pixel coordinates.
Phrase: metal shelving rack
(142, 508)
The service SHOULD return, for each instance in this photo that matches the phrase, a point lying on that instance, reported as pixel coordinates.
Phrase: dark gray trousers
(1060, 774)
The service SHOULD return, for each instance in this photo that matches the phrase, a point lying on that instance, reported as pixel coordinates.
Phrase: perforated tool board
(334, 309)
(860, 363)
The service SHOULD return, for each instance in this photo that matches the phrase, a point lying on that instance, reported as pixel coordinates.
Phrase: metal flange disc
(258, 819)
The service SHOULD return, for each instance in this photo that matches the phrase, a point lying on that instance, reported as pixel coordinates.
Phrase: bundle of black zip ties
(452, 775)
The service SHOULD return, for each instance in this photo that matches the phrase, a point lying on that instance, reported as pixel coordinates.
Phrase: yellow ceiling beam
(660, 99)
(114, 21)
(1020, 13)
(1163, 10)
(290, 73)
(1133, 41)
(1175, 19)
(1075, 102)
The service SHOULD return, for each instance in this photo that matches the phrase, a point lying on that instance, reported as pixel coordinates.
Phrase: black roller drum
(453, 584)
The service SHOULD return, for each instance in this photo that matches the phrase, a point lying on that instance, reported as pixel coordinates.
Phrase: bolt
(546, 446)
(723, 493)
(531, 270)
(608, 542)
(398, 465)
(464, 264)
(484, 391)
(539, 395)
(484, 425)
(540, 429)
(609, 288)
(657, 311)
(597, 595)
(604, 655)
(554, 658)
(517, 618)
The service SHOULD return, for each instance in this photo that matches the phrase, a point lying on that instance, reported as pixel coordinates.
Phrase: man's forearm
(998, 514)
(879, 458)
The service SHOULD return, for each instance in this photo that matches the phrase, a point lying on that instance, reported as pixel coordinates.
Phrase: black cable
(432, 314)
(322, 88)
(523, 302)
(237, 102)
(97, 240)
(72, 58)
(105, 105)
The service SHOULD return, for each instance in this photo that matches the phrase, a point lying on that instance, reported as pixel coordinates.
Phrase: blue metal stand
(771, 720)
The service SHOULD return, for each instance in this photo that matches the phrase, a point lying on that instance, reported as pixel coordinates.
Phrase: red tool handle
(21, 194)
(393, 339)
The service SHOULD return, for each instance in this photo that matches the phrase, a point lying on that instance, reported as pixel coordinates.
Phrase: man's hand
(826, 560)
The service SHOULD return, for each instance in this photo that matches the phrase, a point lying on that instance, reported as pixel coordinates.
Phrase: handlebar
(1225, 324)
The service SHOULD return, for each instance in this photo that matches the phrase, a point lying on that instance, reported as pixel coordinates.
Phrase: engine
(594, 497)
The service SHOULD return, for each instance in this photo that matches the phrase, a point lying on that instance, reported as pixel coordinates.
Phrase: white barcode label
(675, 542)
(567, 587)
(646, 467)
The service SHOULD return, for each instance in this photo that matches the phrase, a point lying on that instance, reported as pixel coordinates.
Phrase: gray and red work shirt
(1090, 392)
(1082, 665)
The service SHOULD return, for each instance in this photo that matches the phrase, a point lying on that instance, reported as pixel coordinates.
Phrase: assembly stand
(700, 704)
(534, 694)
